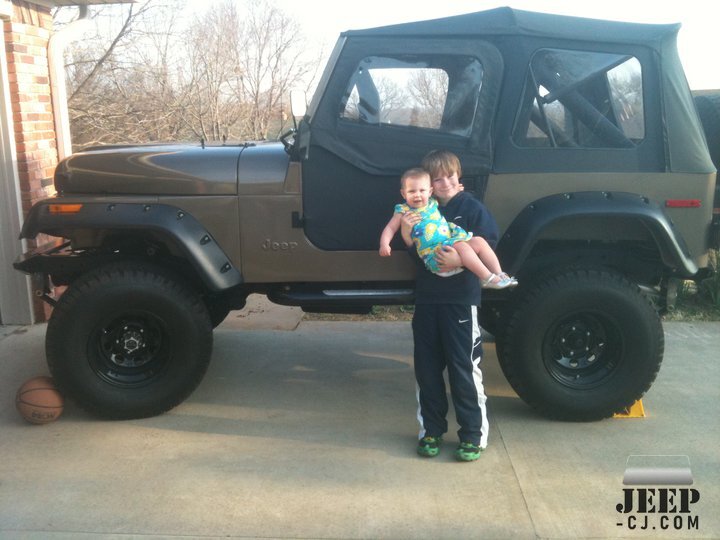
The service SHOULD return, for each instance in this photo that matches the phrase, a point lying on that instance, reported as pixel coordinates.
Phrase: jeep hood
(173, 169)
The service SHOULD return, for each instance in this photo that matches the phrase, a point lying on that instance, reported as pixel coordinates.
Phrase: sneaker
(429, 446)
(494, 281)
(468, 451)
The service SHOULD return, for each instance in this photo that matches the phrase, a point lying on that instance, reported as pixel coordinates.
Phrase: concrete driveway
(307, 430)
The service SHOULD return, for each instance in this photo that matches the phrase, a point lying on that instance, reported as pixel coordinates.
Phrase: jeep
(581, 136)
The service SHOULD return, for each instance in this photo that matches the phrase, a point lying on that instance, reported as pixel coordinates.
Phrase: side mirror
(298, 103)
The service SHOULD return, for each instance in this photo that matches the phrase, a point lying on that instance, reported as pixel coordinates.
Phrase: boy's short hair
(441, 162)
(415, 172)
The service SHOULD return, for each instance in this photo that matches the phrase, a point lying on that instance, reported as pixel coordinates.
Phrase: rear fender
(527, 228)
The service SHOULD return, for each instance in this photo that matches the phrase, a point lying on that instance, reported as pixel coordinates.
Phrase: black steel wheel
(582, 345)
(581, 350)
(128, 341)
(131, 349)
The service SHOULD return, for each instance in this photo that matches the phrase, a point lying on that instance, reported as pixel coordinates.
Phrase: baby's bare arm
(388, 234)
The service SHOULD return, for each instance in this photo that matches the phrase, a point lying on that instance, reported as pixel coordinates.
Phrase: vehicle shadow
(344, 384)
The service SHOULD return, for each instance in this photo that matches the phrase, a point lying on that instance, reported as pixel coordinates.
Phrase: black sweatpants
(447, 336)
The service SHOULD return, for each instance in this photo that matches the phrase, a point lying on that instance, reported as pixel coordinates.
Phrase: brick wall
(26, 40)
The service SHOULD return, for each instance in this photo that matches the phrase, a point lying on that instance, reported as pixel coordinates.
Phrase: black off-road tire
(128, 341)
(491, 320)
(219, 308)
(217, 314)
(582, 345)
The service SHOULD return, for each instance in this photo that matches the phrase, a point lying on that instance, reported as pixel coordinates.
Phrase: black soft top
(515, 35)
(508, 21)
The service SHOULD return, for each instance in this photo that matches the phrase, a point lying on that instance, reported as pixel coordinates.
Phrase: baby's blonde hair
(415, 172)
(441, 163)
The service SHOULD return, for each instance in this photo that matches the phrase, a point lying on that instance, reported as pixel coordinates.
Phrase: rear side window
(435, 92)
(578, 99)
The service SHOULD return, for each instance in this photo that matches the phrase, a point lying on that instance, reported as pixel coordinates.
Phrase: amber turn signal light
(64, 208)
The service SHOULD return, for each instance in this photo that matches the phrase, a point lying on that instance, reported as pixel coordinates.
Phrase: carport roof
(62, 3)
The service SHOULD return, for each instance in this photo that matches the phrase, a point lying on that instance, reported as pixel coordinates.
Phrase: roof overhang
(65, 3)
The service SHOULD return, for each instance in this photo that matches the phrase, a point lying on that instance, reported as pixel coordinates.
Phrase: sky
(697, 43)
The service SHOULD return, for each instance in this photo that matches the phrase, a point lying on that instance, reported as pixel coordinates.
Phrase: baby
(434, 231)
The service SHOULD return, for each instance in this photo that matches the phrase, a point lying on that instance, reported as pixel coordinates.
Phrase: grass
(378, 313)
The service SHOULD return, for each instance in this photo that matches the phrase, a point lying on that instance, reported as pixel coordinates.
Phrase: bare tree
(212, 110)
(428, 88)
(148, 75)
(120, 88)
(272, 49)
(242, 65)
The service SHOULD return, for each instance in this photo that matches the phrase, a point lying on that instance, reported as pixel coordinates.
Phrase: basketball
(38, 401)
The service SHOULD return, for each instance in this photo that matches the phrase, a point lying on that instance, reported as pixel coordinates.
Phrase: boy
(433, 231)
(446, 333)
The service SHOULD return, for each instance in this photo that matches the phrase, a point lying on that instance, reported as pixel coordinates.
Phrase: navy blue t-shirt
(463, 288)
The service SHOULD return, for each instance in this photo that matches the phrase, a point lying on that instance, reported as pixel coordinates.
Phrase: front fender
(523, 233)
(56, 218)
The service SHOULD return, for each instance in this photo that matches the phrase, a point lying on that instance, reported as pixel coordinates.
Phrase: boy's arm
(482, 223)
(388, 233)
(407, 222)
(448, 259)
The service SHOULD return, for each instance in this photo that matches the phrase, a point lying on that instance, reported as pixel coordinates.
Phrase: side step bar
(318, 298)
